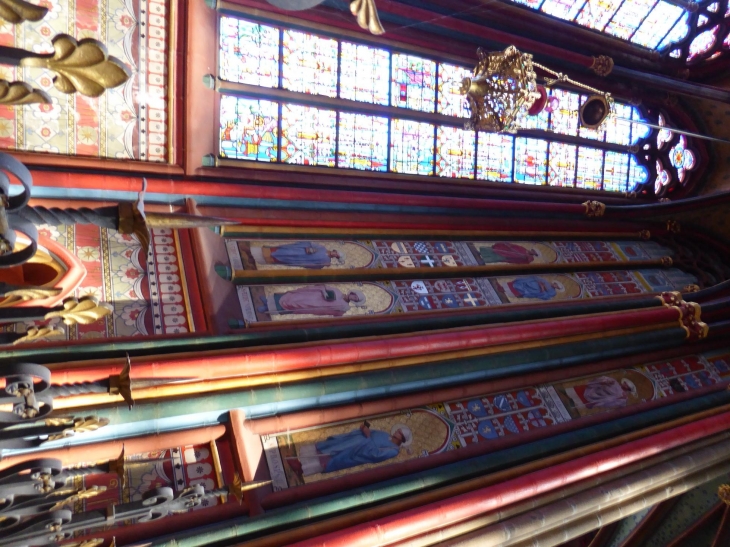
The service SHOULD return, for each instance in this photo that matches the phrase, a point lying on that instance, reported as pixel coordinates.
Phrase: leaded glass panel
(455, 152)
(249, 53)
(660, 21)
(308, 135)
(563, 9)
(561, 164)
(564, 119)
(619, 131)
(494, 157)
(249, 129)
(413, 82)
(363, 142)
(309, 63)
(629, 17)
(597, 13)
(530, 160)
(411, 147)
(638, 174)
(615, 171)
(450, 100)
(590, 168)
(361, 73)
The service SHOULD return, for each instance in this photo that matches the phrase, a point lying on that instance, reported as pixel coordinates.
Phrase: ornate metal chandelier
(504, 84)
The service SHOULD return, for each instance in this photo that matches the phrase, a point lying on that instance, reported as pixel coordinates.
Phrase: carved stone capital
(594, 209)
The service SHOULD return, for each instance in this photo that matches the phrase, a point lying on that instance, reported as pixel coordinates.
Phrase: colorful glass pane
(597, 13)
(525, 121)
(563, 9)
(494, 157)
(659, 22)
(638, 174)
(530, 160)
(619, 131)
(535, 4)
(702, 43)
(363, 142)
(678, 32)
(455, 152)
(615, 171)
(249, 129)
(561, 164)
(450, 100)
(309, 63)
(726, 41)
(413, 82)
(664, 135)
(361, 73)
(308, 135)
(638, 131)
(411, 147)
(629, 17)
(590, 168)
(564, 119)
(662, 177)
(682, 158)
(249, 53)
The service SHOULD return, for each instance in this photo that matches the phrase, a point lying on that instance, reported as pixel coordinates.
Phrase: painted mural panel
(335, 300)
(324, 452)
(128, 122)
(332, 254)
(149, 298)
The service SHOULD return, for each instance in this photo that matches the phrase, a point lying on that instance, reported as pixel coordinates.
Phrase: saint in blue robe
(354, 448)
(304, 254)
(532, 287)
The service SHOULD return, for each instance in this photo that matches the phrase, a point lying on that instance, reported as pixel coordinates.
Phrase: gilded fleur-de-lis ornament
(84, 311)
(84, 66)
(19, 11)
(21, 93)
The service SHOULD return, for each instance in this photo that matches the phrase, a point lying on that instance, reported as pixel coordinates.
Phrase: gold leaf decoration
(367, 15)
(34, 334)
(32, 293)
(21, 93)
(18, 11)
(78, 425)
(84, 66)
(84, 311)
(79, 496)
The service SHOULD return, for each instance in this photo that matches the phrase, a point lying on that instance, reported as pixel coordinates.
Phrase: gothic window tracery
(301, 98)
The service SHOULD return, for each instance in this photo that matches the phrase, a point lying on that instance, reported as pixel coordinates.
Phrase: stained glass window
(564, 118)
(615, 171)
(530, 160)
(308, 135)
(450, 100)
(455, 152)
(249, 53)
(334, 75)
(309, 63)
(678, 32)
(494, 157)
(590, 168)
(597, 13)
(413, 82)
(363, 142)
(659, 22)
(628, 18)
(564, 9)
(361, 73)
(249, 129)
(702, 43)
(411, 147)
(561, 165)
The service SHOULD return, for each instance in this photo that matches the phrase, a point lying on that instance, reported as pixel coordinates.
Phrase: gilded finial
(77, 425)
(19, 11)
(239, 487)
(121, 384)
(84, 66)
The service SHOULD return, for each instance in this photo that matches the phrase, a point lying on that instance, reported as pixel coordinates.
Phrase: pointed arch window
(292, 97)
(692, 31)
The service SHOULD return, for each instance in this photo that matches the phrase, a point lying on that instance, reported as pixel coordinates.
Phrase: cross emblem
(471, 300)
(428, 260)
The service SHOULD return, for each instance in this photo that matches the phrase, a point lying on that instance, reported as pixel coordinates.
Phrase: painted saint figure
(304, 254)
(603, 392)
(357, 447)
(312, 300)
(504, 251)
(532, 286)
